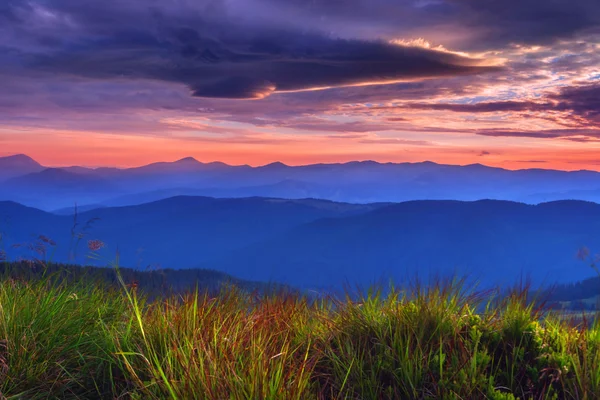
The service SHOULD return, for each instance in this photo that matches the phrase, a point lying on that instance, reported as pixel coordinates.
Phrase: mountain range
(319, 244)
(24, 180)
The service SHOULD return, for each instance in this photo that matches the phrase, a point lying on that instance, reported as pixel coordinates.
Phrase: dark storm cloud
(497, 106)
(528, 21)
(583, 101)
(204, 46)
(578, 104)
(491, 22)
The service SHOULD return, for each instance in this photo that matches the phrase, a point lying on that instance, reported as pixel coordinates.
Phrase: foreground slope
(84, 341)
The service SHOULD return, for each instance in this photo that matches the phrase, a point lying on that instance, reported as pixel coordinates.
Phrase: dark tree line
(151, 282)
(576, 292)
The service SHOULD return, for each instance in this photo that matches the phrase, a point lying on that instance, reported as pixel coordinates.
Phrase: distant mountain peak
(21, 159)
(276, 164)
(18, 165)
(217, 164)
(363, 163)
(192, 162)
(476, 165)
(188, 160)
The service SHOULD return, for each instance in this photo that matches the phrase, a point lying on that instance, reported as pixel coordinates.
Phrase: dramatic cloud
(212, 52)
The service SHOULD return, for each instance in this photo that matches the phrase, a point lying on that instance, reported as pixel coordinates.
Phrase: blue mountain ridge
(322, 244)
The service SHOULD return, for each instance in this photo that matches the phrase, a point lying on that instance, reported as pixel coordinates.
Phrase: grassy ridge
(76, 340)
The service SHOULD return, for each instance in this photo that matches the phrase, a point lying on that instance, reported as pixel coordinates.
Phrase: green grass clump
(54, 341)
(82, 340)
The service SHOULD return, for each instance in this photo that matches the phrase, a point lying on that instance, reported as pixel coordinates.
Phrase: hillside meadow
(82, 339)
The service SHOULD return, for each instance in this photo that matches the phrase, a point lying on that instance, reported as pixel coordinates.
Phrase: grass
(81, 340)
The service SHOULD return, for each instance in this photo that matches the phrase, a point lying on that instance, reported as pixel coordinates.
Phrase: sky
(512, 83)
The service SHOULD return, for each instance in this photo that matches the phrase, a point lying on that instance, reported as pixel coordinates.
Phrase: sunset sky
(511, 83)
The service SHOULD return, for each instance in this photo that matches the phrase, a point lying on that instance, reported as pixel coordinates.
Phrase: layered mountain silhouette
(320, 244)
(17, 165)
(59, 189)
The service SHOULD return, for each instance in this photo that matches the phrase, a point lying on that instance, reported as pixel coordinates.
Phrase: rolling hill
(178, 232)
(494, 242)
(322, 244)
